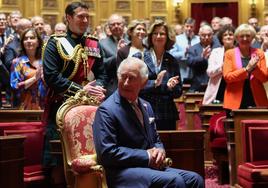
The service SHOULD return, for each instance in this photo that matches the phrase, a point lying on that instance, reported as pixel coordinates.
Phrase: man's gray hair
(134, 61)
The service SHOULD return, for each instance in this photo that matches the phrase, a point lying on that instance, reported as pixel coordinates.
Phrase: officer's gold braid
(75, 57)
(77, 61)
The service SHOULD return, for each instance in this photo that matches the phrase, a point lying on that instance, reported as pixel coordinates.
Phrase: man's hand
(157, 157)
(121, 43)
(95, 90)
(172, 82)
(206, 52)
(159, 78)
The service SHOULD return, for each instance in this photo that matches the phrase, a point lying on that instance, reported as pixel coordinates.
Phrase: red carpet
(211, 178)
(212, 183)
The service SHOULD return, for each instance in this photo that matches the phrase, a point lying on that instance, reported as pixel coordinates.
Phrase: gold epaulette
(58, 35)
(92, 37)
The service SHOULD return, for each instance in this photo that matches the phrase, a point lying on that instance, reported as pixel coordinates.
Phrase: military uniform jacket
(59, 72)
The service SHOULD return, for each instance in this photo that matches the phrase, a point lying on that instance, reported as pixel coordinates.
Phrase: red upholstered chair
(74, 120)
(33, 147)
(218, 144)
(254, 172)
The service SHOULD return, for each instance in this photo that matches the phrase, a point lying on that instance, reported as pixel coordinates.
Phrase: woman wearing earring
(136, 34)
(164, 82)
(26, 76)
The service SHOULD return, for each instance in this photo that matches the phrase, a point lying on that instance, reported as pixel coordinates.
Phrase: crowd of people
(22, 84)
(229, 64)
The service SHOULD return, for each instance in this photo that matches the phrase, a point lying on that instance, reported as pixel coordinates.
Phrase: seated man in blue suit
(126, 140)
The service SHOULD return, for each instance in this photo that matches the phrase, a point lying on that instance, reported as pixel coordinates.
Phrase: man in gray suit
(110, 45)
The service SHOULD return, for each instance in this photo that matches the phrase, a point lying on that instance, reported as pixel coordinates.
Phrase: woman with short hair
(244, 71)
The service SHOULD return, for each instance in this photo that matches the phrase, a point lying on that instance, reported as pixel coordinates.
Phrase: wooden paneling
(184, 146)
(102, 9)
(234, 137)
(11, 161)
(20, 115)
(140, 10)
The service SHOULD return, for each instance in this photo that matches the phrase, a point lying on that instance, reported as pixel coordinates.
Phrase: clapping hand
(159, 78)
(121, 43)
(95, 90)
(252, 62)
(206, 52)
(172, 82)
(38, 73)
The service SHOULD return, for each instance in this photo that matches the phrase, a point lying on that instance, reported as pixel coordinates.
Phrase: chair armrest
(86, 164)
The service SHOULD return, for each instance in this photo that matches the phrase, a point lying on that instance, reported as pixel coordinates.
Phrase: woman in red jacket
(244, 71)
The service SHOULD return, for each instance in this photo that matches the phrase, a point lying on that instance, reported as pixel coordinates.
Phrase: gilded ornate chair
(74, 119)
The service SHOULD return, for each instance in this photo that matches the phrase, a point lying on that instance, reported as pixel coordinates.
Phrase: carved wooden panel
(122, 5)
(157, 17)
(51, 19)
(127, 19)
(104, 13)
(266, 4)
(91, 5)
(10, 2)
(158, 6)
(140, 10)
(50, 4)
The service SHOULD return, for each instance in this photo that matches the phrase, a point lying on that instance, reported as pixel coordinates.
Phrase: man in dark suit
(110, 45)
(198, 58)
(126, 140)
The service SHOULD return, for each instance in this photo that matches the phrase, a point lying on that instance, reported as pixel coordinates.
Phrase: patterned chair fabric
(74, 119)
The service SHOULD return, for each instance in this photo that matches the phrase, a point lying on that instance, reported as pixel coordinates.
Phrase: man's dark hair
(189, 21)
(74, 5)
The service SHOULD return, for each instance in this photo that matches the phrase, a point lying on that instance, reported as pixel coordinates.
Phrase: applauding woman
(136, 34)
(216, 84)
(244, 71)
(26, 72)
(164, 82)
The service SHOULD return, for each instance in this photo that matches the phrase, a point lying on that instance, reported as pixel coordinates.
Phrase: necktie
(2, 40)
(137, 111)
(189, 41)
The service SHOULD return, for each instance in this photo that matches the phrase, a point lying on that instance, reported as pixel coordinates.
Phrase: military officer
(72, 61)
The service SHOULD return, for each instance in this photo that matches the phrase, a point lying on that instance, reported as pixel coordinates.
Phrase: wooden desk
(192, 103)
(234, 139)
(180, 104)
(185, 148)
(11, 161)
(20, 115)
(206, 111)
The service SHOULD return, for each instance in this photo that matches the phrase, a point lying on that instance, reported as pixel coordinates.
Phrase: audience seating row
(33, 146)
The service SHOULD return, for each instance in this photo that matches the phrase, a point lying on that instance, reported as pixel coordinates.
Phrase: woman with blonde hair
(136, 33)
(244, 71)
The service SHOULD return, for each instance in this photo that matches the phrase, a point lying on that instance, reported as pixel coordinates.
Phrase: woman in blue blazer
(164, 83)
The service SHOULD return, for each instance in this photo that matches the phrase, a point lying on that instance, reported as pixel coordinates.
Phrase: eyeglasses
(115, 23)
(161, 34)
(206, 35)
